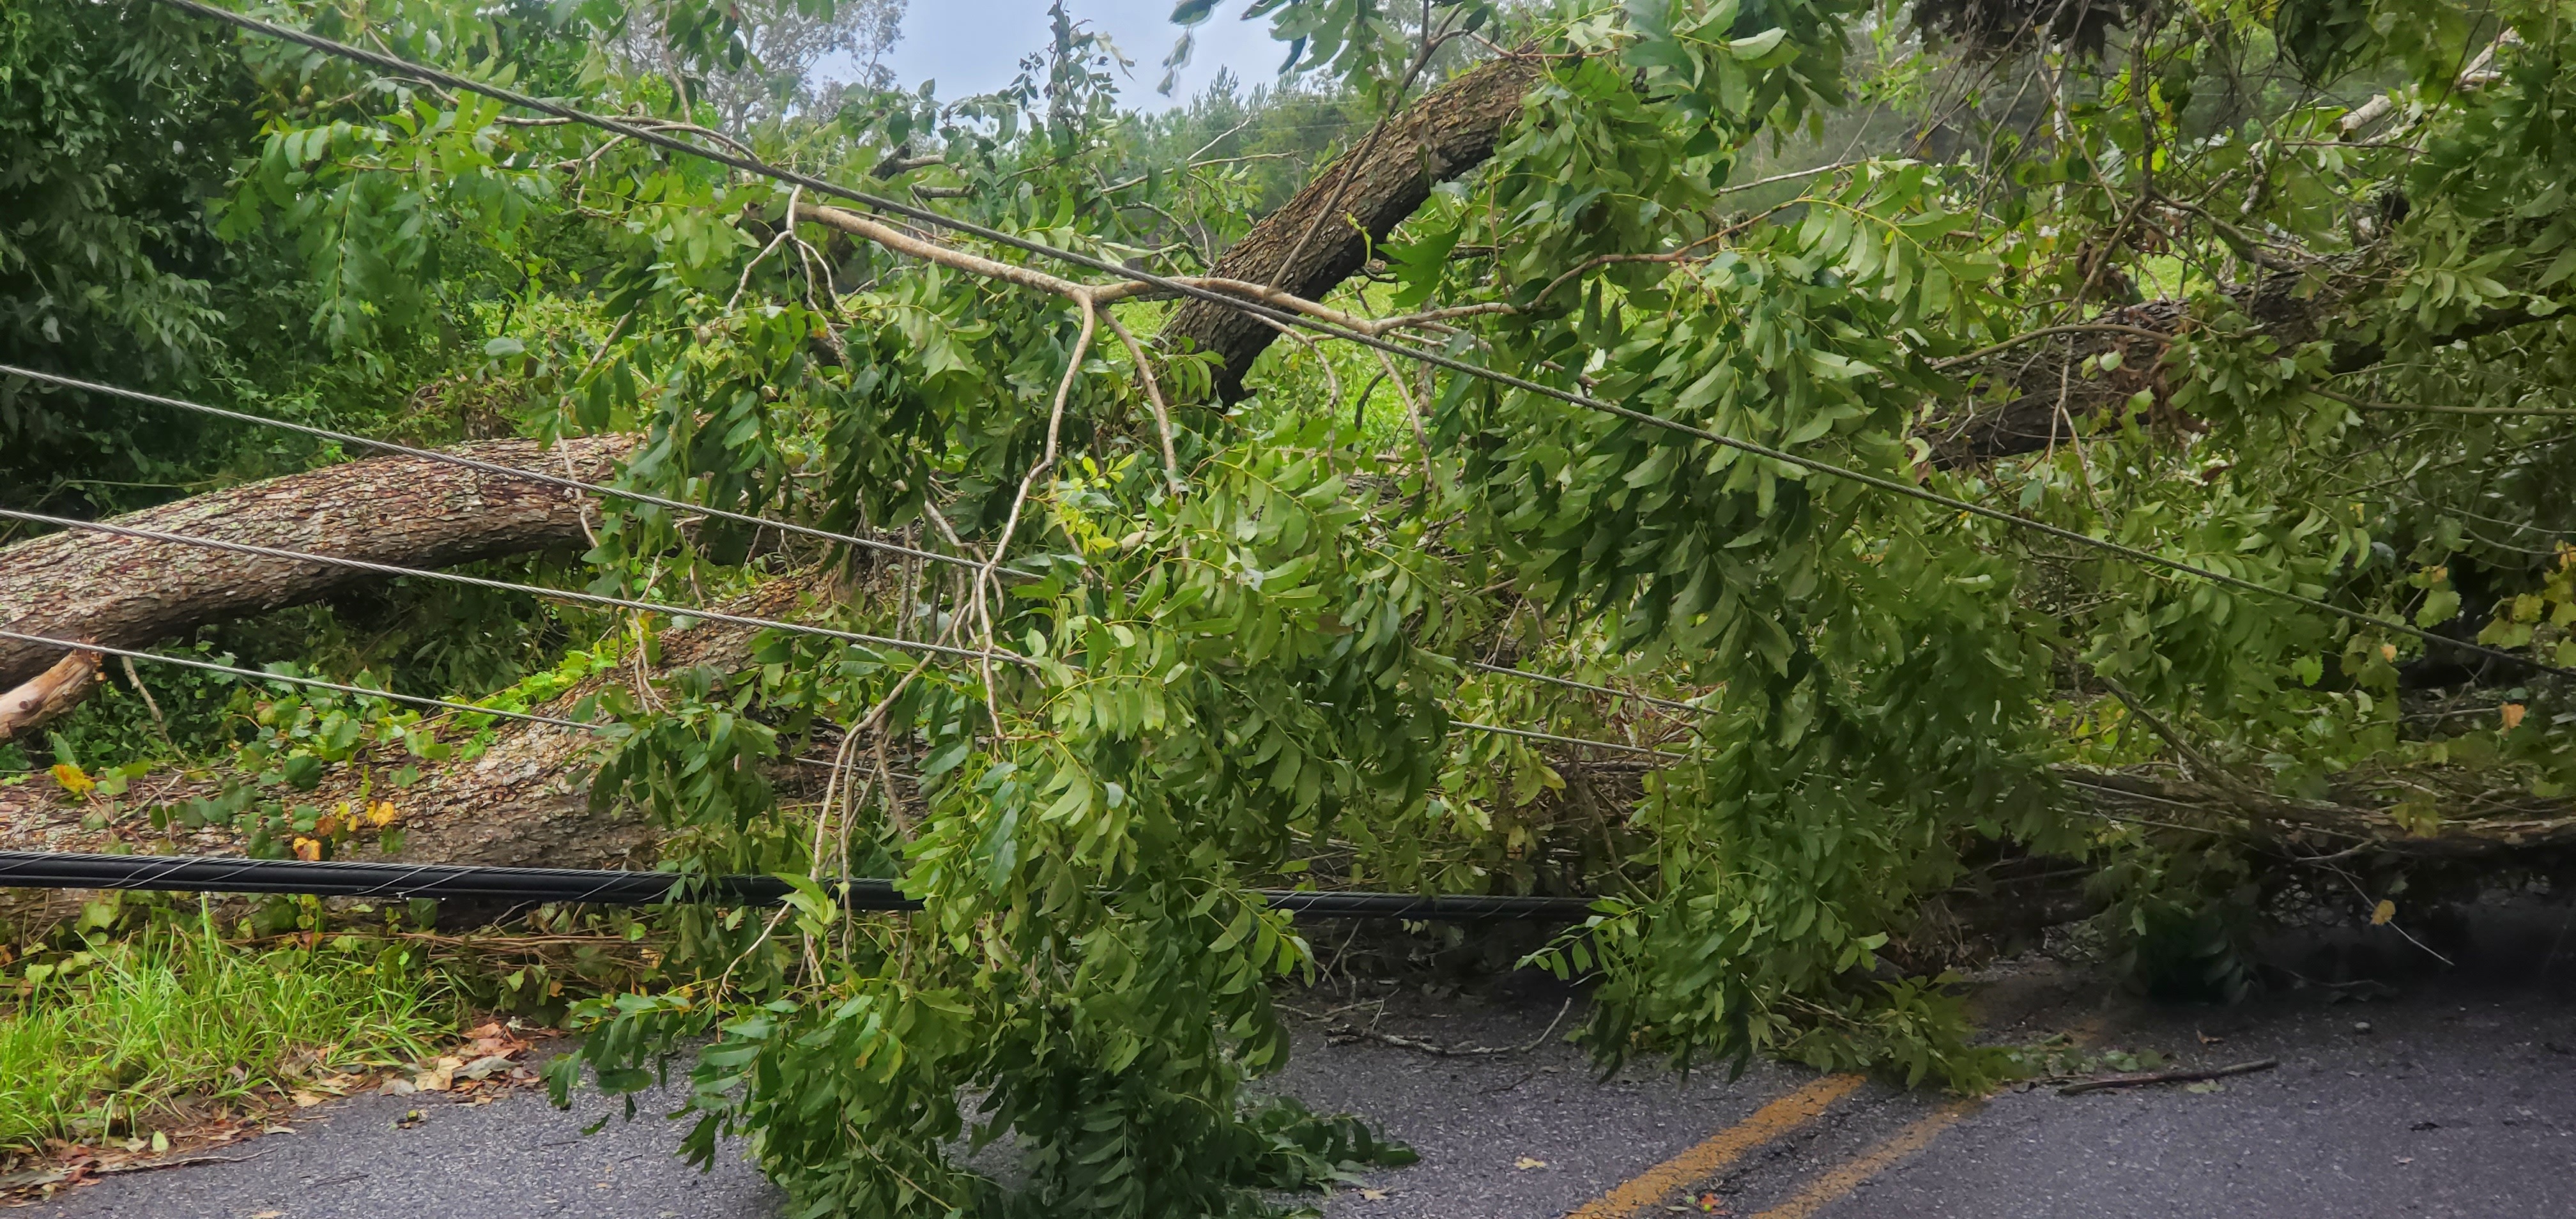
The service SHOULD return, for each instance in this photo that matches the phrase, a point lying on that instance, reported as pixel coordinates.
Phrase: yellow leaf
(73, 779)
(308, 850)
(2381, 913)
(1527, 1163)
(2388, 651)
(2513, 715)
(382, 813)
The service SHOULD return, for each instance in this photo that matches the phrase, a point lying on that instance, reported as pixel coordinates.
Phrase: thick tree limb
(1355, 202)
(129, 592)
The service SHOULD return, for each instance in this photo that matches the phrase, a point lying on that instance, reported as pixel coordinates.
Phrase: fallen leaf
(1374, 1195)
(268, 1215)
(1527, 1163)
(484, 1066)
(74, 780)
(438, 1080)
(306, 1100)
(2381, 913)
(308, 850)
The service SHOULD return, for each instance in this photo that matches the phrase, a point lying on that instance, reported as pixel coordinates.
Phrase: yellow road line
(1824, 1190)
(1718, 1150)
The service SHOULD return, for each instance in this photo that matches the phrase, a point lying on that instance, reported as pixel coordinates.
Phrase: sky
(974, 46)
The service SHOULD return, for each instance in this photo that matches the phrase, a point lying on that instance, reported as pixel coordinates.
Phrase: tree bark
(1325, 233)
(129, 592)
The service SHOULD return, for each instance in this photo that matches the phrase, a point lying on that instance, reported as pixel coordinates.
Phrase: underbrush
(119, 1038)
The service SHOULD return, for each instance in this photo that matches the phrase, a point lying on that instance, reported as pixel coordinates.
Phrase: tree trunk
(129, 592)
(1324, 234)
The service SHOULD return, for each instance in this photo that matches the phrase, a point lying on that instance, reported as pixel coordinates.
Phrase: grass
(114, 1040)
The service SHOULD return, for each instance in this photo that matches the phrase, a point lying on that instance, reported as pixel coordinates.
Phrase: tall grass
(106, 1042)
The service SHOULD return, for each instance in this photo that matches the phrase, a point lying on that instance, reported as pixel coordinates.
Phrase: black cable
(754, 166)
(205, 874)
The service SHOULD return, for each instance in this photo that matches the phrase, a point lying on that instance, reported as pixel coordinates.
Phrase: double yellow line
(1769, 1122)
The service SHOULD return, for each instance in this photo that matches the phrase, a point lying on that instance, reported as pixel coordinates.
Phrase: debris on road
(2167, 1077)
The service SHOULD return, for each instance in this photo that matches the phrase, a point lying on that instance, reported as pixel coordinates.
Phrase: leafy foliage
(2260, 327)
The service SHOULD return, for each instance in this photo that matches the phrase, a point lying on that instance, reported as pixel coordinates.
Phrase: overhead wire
(495, 468)
(675, 611)
(77, 645)
(491, 468)
(1285, 317)
(556, 594)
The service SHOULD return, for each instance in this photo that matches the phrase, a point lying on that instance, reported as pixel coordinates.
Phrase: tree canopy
(2270, 290)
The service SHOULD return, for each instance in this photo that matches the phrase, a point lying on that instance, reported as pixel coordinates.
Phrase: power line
(597, 489)
(558, 594)
(210, 666)
(1535, 735)
(594, 599)
(340, 878)
(1571, 684)
(471, 709)
(754, 166)
(487, 467)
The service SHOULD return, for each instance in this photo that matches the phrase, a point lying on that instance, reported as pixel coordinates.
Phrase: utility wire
(557, 594)
(454, 459)
(597, 489)
(1571, 684)
(343, 878)
(210, 666)
(1284, 317)
(272, 552)
(1535, 735)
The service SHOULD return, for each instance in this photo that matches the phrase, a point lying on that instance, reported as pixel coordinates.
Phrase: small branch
(49, 694)
(947, 256)
(1347, 1033)
(1791, 176)
(2167, 1077)
(1153, 394)
(896, 165)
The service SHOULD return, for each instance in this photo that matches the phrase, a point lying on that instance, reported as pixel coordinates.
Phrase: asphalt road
(2459, 1099)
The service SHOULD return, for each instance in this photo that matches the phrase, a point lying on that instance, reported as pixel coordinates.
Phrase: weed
(96, 1043)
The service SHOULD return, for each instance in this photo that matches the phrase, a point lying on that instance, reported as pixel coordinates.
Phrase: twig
(1153, 394)
(2168, 1077)
(1349, 1033)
